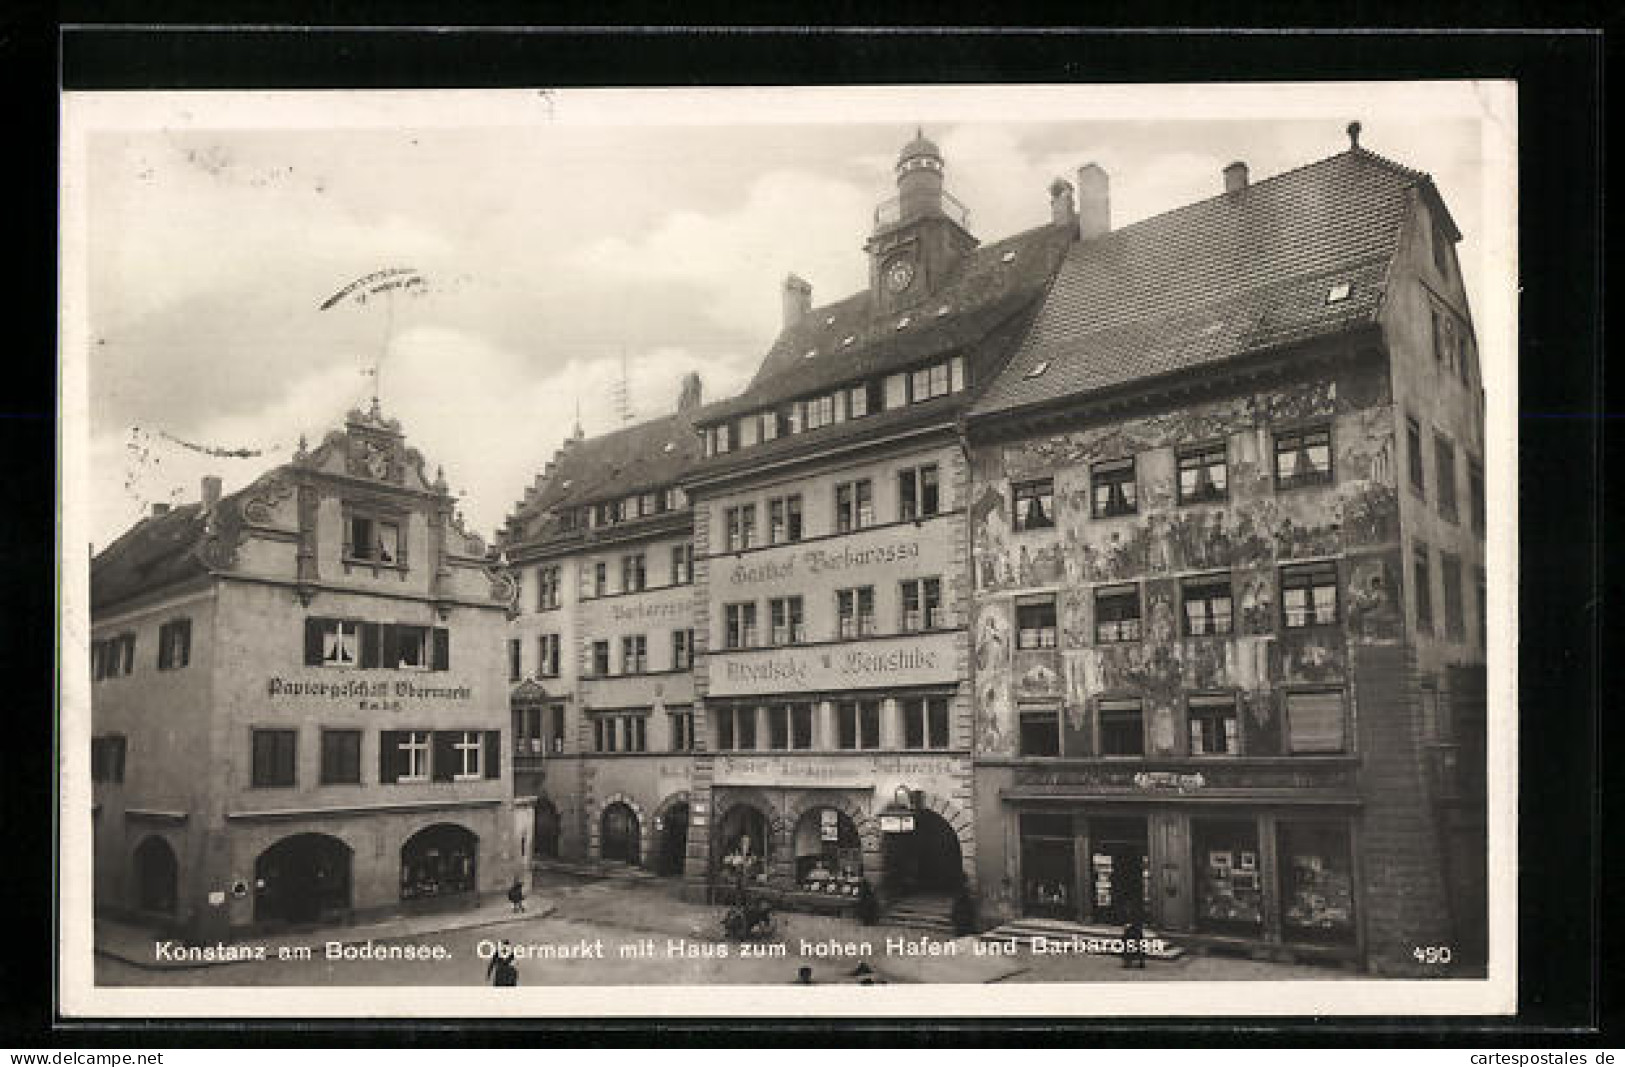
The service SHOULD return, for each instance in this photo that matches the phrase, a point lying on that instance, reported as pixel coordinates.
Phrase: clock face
(899, 274)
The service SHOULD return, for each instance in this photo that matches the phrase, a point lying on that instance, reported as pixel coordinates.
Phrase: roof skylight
(1338, 292)
(671, 446)
(848, 339)
(941, 311)
(810, 353)
(1037, 368)
(1008, 257)
(830, 321)
(902, 323)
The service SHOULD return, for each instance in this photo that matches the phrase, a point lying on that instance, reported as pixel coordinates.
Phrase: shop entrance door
(673, 840)
(302, 879)
(545, 830)
(1118, 871)
(618, 840)
(156, 876)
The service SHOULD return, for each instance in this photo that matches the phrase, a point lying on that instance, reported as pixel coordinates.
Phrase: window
(1441, 253)
(1208, 605)
(373, 540)
(341, 643)
(1213, 725)
(1475, 492)
(410, 650)
(682, 649)
(736, 727)
(1034, 504)
(858, 724)
(341, 757)
(1113, 491)
(855, 610)
(1303, 457)
(116, 655)
(1483, 607)
(515, 669)
(862, 400)
(682, 563)
(1041, 733)
(107, 758)
(1444, 461)
(854, 505)
(1314, 719)
(925, 722)
(1413, 447)
(1204, 475)
(1035, 623)
(555, 716)
(1424, 586)
(739, 621)
(1117, 614)
(820, 412)
(620, 733)
(633, 575)
(1455, 623)
(600, 578)
(778, 727)
(274, 754)
(801, 726)
(928, 383)
(548, 667)
(922, 604)
(784, 519)
(917, 496)
(681, 730)
(1122, 728)
(174, 646)
(671, 499)
(785, 614)
(547, 588)
(527, 729)
(1309, 595)
(348, 643)
(600, 659)
(648, 504)
(634, 654)
(741, 526)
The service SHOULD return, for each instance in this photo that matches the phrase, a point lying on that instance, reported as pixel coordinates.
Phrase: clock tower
(919, 234)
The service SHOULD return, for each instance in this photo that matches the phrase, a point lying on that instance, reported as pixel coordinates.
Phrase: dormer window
(1008, 257)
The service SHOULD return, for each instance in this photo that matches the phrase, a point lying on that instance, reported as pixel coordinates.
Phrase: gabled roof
(1213, 281)
(157, 551)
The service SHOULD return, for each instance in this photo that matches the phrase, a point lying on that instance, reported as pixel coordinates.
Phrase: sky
(572, 239)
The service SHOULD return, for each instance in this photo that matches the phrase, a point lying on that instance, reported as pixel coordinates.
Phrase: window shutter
(185, 628)
(493, 753)
(371, 638)
(389, 743)
(163, 648)
(444, 765)
(1315, 721)
(442, 649)
(313, 642)
(391, 645)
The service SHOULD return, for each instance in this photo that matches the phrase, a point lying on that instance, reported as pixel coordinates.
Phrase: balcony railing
(890, 211)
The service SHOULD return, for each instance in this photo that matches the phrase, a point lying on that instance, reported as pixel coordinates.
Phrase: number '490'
(1431, 954)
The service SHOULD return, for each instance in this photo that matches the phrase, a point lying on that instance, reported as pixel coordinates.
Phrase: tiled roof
(1213, 281)
(155, 552)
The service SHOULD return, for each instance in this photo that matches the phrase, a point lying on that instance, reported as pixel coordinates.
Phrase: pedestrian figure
(1134, 944)
(516, 894)
(804, 976)
(500, 970)
(868, 908)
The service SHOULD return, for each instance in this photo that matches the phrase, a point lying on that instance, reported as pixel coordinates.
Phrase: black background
(1563, 418)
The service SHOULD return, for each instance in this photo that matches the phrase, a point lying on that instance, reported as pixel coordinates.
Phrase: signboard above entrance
(915, 660)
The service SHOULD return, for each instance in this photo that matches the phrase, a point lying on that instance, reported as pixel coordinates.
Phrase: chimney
(797, 301)
(160, 509)
(1094, 202)
(1235, 177)
(1062, 211)
(211, 491)
(688, 397)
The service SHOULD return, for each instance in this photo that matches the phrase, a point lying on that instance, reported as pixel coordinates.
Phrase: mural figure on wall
(993, 570)
(1373, 608)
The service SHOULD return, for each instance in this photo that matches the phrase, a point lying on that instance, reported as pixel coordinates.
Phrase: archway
(742, 843)
(545, 830)
(618, 834)
(927, 861)
(828, 853)
(438, 861)
(156, 875)
(302, 878)
(673, 826)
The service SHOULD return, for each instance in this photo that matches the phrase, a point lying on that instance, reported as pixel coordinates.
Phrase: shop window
(1112, 488)
(600, 659)
(917, 496)
(634, 576)
(801, 726)
(858, 724)
(1314, 721)
(1034, 504)
(1475, 491)
(740, 523)
(274, 753)
(549, 645)
(1117, 614)
(373, 540)
(1209, 608)
(855, 611)
(1309, 595)
(107, 755)
(828, 854)
(1303, 458)
(922, 604)
(1444, 458)
(600, 579)
(1041, 733)
(1229, 890)
(439, 861)
(634, 654)
(854, 505)
(739, 625)
(403, 756)
(785, 617)
(680, 729)
(1422, 579)
(925, 722)
(1455, 624)
(1317, 882)
(515, 669)
(174, 646)
(1214, 728)
(1204, 476)
(1035, 623)
(682, 563)
(1048, 868)
(1119, 871)
(784, 519)
(682, 649)
(1122, 728)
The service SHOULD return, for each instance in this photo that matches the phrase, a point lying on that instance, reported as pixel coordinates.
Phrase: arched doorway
(439, 861)
(545, 830)
(742, 844)
(926, 861)
(673, 840)
(828, 853)
(618, 834)
(156, 875)
(301, 879)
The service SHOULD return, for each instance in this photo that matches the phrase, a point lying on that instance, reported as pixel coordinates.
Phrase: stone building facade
(298, 712)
